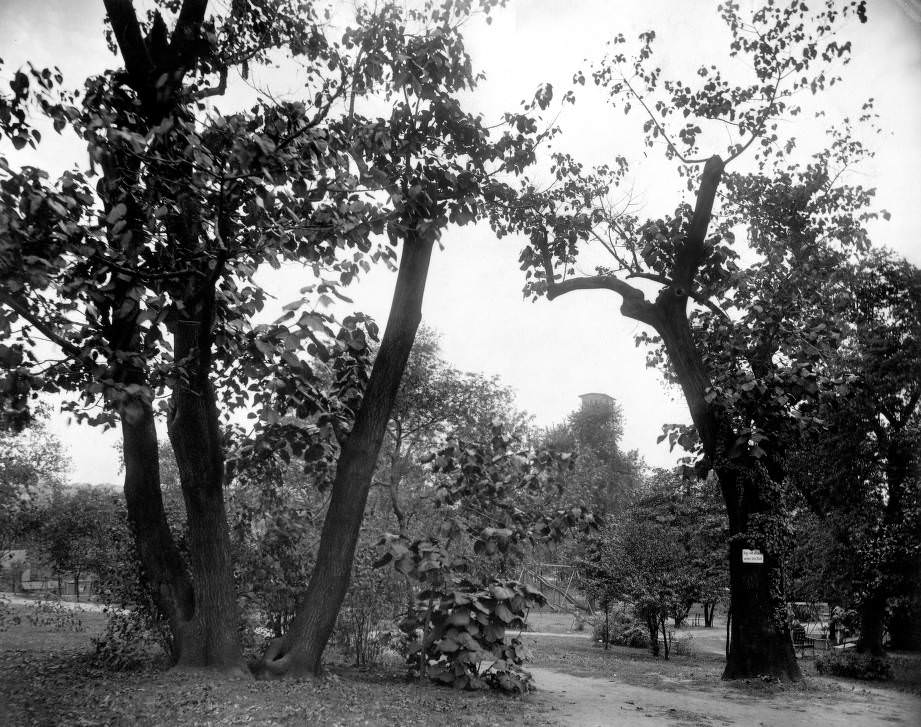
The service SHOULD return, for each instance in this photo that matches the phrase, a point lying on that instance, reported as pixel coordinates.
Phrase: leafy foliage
(33, 467)
(375, 599)
(603, 476)
(495, 499)
(854, 666)
(53, 615)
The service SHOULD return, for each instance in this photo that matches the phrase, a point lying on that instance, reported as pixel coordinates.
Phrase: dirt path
(589, 702)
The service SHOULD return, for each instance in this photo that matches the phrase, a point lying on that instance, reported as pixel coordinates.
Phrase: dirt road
(593, 702)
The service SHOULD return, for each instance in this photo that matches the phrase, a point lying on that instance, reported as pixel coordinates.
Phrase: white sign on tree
(752, 556)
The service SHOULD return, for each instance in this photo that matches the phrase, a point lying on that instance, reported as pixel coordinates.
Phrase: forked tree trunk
(709, 611)
(300, 650)
(210, 630)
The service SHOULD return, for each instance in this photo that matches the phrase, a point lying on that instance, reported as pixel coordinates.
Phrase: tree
(73, 531)
(497, 498)
(33, 469)
(696, 522)
(144, 280)
(604, 476)
(859, 469)
(435, 402)
(715, 325)
(129, 258)
(640, 563)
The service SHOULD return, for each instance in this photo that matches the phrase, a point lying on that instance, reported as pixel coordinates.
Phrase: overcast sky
(552, 352)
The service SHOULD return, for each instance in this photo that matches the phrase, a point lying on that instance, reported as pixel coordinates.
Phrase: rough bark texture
(301, 649)
(162, 566)
(211, 631)
(759, 636)
(709, 611)
(872, 624)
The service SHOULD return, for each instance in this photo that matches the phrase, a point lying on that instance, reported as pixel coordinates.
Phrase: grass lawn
(47, 678)
(581, 657)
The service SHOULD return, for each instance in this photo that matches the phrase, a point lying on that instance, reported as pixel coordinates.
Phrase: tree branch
(23, 311)
(634, 304)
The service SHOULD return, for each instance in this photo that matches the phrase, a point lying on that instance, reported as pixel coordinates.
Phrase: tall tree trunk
(301, 649)
(210, 632)
(759, 636)
(163, 570)
(759, 639)
(872, 624)
(905, 621)
(709, 611)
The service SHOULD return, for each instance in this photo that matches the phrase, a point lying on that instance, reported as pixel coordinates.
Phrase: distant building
(595, 401)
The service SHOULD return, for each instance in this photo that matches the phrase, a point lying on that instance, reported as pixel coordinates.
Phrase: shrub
(624, 631)
(460, 637)
(855, 666)
(9, 616)
(54, 616)
(129, 641)
(375, 597)
(681, 645)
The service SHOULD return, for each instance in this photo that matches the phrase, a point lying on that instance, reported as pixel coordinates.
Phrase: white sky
(551, 352)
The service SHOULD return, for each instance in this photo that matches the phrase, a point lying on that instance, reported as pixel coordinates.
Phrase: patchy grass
(48, 678)
(637, 667)
(582, 657)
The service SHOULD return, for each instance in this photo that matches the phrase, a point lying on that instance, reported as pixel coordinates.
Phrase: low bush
(621, 629)
(460, 637)
(9, 616)
(855, 666)
(54, 616)
(129, 641)
(681, 645)
(365, 627)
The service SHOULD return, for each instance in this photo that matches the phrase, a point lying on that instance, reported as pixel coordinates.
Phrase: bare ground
(586, 701)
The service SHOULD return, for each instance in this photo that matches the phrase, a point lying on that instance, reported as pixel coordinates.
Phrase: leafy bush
(129, 641)
(636, 637)
(855, 666)
(460, 637)
(9, 616)
(681, 645)
(622, 629)
(54, 616)
(375, 598)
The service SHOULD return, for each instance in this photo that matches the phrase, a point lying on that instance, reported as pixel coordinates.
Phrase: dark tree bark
(162, 567)
(872, 624)
(759, 636)
(900, 455)
(760, 641)
(301, 649)
(709, 612)
(211, 630)
(652, 625)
